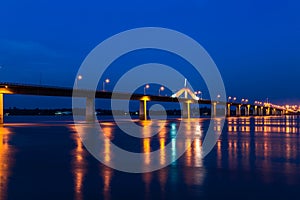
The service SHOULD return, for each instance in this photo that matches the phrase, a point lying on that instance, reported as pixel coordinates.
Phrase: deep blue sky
(255, 43)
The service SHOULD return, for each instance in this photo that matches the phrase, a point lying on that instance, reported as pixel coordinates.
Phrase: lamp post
(218, 98)
(197, 93)
(78, 78)
(104, 82)
(146, 87)
(161, 89)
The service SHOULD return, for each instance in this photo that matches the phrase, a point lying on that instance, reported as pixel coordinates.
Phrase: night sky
(255, 43)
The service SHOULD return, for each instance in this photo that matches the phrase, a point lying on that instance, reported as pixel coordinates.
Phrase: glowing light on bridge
(162, 88)
(105, 82)
(146, 87)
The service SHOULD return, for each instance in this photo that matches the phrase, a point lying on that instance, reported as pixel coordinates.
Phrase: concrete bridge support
(238, 110)
(214, 109)
(186, 106)
(90, 109)
(143, 110)
(261, 111)
(247, 110)
(255, 111)
(268, 111)
(1, 109)
(228, 110)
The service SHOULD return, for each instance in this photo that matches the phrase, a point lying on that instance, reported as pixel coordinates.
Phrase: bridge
(256, 109)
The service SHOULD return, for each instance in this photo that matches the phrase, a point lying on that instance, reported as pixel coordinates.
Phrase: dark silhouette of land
(68, 111)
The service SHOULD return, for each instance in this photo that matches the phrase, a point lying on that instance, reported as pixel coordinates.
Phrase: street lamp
(229, 98)
(146, 87)
(234, 98)
(78, 78)
(104, 82)
(161, 89)
(197, 93)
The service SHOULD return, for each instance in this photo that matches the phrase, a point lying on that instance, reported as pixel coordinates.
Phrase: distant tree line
(68, 111)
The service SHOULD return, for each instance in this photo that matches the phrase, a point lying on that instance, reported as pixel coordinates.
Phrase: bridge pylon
(184, 93)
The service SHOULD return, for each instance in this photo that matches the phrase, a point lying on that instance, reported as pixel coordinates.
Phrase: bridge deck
(38, 90)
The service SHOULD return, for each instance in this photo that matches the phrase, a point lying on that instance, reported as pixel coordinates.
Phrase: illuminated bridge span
(249, 109)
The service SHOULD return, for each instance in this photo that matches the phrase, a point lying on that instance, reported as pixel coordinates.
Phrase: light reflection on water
(251, 150)
(250, 144)
(79, 167)
(267, 144)
(6, 160)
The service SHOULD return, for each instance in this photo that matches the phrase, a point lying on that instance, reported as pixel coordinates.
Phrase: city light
(160, 89)
(197, 93)
(79, 77)
(105, 82)
(146, 87)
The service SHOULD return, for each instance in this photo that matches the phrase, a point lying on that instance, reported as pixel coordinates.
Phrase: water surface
(254, 158)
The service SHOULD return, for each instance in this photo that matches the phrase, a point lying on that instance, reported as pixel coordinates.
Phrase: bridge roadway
(38, 90)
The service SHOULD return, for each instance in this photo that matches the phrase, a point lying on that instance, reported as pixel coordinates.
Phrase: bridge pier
(249, 106)
(1, 109)
(90, 109)
(255, 110)
(268, 111)
(214, 109)
(143, 110)
(238, 110)
(247, 110)
(186, 110)
(228, 110)
(261, 111)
